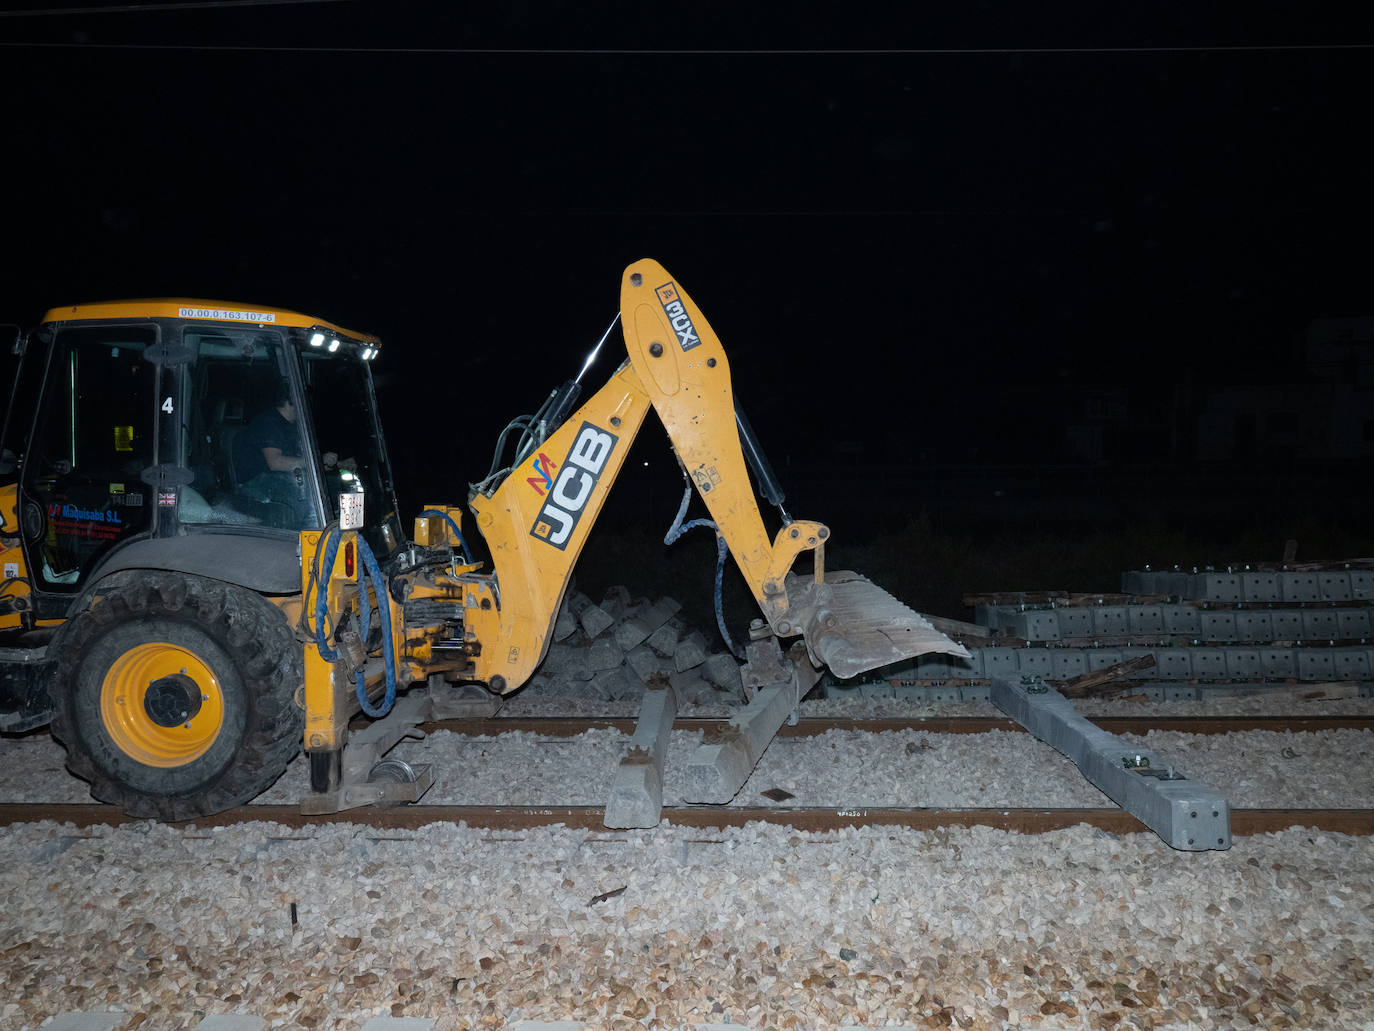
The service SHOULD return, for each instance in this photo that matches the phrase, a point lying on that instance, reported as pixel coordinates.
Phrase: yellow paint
(330, 694)
(290, 605)
(327, 710)
(531, 570)
(12, 554)
(647, 320)
(323, 732)
(170, 308)
(537, 522)
(678, 366)
(126, 720)
(434, 531)
(689, 385)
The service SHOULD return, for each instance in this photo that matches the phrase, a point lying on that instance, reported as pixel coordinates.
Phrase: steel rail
(556, 726)
(512, 818)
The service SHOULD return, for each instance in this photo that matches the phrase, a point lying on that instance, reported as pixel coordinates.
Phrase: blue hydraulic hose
(368, 569)
(677, 530)
(331, 548)
(462, 541)
(374, 573)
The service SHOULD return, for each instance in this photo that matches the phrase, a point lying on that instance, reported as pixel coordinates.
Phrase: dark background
(998, 269)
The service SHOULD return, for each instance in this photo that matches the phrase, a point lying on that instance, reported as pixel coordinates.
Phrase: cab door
(93, 438)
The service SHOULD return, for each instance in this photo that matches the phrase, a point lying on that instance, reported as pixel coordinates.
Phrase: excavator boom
(537, 521)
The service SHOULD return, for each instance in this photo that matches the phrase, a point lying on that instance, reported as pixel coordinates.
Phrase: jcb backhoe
(205, 570)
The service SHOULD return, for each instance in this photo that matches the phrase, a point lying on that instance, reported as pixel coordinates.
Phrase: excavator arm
(536, 517)
(537, 521)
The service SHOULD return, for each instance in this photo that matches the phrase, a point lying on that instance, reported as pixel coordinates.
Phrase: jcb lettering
(585, 482)
(677, 317)
(558, 518)
(591, 449)
(565, 522)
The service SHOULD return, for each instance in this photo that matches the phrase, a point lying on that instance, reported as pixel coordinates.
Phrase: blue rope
(462, 541)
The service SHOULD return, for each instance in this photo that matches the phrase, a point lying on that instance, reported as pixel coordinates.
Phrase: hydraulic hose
(374, 573)
(330, 546)
(368, 569)
(677, 530)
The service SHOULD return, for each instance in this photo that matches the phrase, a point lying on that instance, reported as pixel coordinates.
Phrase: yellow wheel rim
(125, 704)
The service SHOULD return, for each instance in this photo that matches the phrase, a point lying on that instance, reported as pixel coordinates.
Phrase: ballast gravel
(899, 768)
(759, 926)
(857, 706)
(1254, 769)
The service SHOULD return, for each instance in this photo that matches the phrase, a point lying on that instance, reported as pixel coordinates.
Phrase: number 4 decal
(167, 405)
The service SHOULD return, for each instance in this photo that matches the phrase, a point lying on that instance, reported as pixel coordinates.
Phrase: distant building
(1324, 413)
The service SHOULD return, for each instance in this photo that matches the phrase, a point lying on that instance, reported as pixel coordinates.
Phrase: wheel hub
(172, 700)
(162, 704)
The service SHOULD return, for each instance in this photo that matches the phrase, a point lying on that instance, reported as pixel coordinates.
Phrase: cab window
(93, 439)
(246, 448)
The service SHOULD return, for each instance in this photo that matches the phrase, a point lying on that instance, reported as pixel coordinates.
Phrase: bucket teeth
(852, 625)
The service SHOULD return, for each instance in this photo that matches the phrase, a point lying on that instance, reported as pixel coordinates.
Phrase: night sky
(925, 237)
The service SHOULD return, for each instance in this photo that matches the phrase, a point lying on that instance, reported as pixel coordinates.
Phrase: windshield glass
(246, 451)
(339, 392)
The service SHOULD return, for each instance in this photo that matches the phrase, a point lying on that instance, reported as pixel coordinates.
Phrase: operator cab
(190, 420)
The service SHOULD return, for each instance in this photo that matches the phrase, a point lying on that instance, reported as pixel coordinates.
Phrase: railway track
(1355, 821)
(517, 818)
(557, 726)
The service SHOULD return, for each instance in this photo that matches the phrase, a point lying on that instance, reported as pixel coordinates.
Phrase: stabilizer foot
(356, 784)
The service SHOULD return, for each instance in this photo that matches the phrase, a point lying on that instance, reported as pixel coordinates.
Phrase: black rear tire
(150, 652)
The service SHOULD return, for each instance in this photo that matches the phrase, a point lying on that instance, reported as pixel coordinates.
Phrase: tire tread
(259, 641)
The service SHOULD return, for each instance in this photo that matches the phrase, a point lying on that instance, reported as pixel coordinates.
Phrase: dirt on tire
(255, 655)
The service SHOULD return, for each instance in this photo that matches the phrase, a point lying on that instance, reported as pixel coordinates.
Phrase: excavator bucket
(852, 625)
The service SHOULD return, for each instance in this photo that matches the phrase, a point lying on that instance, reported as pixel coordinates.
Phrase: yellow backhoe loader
(205, 570)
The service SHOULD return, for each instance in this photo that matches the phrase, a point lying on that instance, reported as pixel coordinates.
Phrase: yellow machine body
(450, 622)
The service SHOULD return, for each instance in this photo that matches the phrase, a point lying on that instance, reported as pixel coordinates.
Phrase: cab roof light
(317, 339)
(333, 345)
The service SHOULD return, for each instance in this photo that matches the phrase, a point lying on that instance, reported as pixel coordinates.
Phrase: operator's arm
(274, 435)
(280, 463)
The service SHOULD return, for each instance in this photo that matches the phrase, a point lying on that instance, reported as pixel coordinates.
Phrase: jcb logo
(677, 316)
(573, 487)
(543, 469)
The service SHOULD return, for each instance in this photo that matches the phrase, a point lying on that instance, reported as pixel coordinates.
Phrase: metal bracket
(24, 699)
(374, 793)
(364, 750)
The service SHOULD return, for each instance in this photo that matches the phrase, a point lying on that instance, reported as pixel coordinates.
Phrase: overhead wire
(687, 51)
(149, 8)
